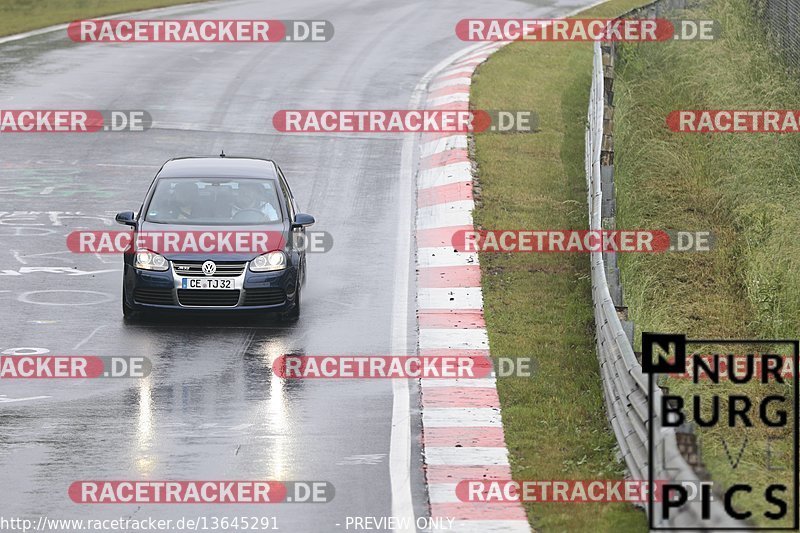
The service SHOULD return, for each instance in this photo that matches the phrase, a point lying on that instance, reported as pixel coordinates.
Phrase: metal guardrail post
(607, 183)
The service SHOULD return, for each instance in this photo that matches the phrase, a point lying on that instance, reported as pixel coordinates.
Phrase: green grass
(17, 16)
(540, 305)
(743, 187)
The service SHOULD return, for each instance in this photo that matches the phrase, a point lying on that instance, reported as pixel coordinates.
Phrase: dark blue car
(216, 233)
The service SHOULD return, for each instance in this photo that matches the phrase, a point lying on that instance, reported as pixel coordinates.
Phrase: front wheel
(128, 312)
(293, 313)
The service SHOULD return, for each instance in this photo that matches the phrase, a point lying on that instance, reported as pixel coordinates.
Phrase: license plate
(207, 283)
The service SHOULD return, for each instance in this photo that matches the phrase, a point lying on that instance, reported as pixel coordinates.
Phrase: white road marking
(59, 27)
(450, 298)
(482, 56)
(449, 99)
(3, 399)
(457, 417)
(42, 31)
(441, 256)
(462, 70)
(459, 338)
(112, 259)
(400, 438)
(20, 258)
(445, 175)
(443, 493)
(451, 142)
(457, 213)
(484, 383)
(25, 297)
(25, 350)
(465, 455)
(56, 270)
(466, 80)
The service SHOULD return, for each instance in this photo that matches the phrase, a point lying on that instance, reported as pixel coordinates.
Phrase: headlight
(268, 262)
(147, 260)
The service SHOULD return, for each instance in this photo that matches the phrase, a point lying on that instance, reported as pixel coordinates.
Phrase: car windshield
(214, 201)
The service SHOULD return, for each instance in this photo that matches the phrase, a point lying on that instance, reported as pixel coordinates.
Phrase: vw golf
(215, 233)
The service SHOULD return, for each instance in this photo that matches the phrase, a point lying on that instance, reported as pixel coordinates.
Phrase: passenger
(251, 197)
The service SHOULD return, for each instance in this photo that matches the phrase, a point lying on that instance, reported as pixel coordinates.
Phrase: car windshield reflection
(211, 201)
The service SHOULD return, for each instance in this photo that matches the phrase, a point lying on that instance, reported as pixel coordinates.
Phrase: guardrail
(782, 18)
(625, 387)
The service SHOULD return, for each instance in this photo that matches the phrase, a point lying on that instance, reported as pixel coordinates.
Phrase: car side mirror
(301, 220)
(126, 217)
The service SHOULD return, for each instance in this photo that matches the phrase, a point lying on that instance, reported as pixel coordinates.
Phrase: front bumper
(253, 291)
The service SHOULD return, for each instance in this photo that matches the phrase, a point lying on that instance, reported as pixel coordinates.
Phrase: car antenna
(222, 153)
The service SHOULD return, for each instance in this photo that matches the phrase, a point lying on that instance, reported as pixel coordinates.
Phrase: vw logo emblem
(209, 267)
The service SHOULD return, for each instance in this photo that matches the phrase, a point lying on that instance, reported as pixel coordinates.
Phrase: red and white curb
(462, 426)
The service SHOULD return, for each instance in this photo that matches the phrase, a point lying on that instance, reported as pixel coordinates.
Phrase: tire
(293, 313)
(128, 312)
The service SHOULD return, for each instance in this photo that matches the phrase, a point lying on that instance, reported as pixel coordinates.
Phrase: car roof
(218, 167)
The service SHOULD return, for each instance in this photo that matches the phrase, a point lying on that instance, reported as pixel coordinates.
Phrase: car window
(288, 194)
(214, 201)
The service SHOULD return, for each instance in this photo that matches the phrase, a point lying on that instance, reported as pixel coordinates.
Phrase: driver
(183, 200)
(251, 197)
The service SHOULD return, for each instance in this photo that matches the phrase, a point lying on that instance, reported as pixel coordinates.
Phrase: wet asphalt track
(211, 409)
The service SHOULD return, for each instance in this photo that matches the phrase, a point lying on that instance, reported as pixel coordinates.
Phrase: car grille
(225, 269)
(208, 298)
(271, 296)
(153, 296)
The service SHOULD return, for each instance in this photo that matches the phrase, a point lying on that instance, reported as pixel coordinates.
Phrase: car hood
(281, 231)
